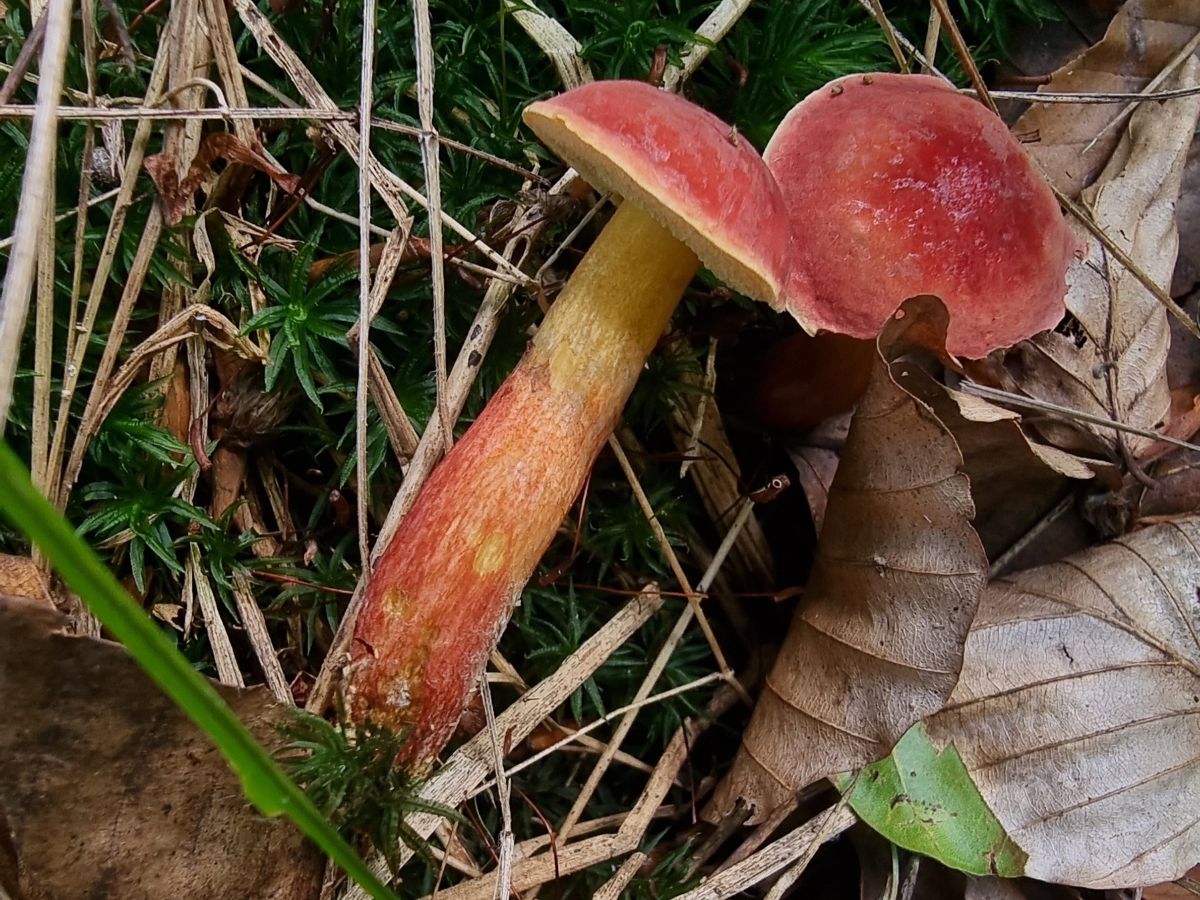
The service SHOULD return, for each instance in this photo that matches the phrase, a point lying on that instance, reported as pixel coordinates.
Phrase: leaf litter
(977, 479)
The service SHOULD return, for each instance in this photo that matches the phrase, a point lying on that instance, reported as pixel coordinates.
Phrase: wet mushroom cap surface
(688, 169)
(898, 185)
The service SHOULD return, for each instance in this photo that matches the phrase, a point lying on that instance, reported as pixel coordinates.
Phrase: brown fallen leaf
(1078, 710)
(878, 643)
(176, 195)
(1141, 40)
(1117, 367)
(20, 577)
(1184, 888)
(1187, 219)
(1015, 481)
(108, 790)
(816, 461)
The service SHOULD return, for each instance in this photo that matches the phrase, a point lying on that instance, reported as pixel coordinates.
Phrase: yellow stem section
(616, 305)
(445, 586)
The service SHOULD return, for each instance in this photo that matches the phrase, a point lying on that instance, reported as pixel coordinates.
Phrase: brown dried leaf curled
(878, 643)
(1143, 37)
(1078, 710)
(1118, 370)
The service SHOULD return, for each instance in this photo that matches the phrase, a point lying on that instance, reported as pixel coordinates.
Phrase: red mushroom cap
(898, 185)
(682, 165)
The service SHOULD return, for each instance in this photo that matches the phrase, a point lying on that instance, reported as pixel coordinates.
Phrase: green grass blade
(264, 783)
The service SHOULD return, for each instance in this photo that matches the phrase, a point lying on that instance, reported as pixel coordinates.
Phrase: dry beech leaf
(877, 644)
(1014, 481)
(1143, 37)
(108, 790)
(816, 463)
(176, 194)
(1119, 371)
(1172, 891)
(1078, 710)
(19, 577)
(1187, 218)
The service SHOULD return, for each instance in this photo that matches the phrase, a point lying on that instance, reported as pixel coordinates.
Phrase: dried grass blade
(35, 194)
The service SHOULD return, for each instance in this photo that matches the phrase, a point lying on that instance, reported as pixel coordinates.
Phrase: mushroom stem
(445, 586)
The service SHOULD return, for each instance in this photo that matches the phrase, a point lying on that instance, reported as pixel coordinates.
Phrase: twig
(503, 794)
(362, 392)
(964, 54)
(39, 169)
(433, 190)
(723, 17)
(1175, 62)
(774, 857)
(1000, 396)
(676, 569)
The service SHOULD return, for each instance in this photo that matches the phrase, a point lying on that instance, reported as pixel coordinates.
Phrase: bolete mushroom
(898, 185)
(444, 587)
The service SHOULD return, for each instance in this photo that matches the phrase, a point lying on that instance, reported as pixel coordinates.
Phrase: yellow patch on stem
(492, 554)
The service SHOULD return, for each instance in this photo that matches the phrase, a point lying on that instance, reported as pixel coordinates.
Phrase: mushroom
(445, 585)
(898, 185)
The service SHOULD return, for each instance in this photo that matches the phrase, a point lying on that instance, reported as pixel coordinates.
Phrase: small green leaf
(924, 800)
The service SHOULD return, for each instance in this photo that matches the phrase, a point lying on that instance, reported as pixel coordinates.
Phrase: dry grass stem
(83, 332)
(503, 796)
(428, 141)
(1099, 97)
(964, 54)
(255, 624)
(908, 45)
(1067, 412)
(35, 194)
(613, 888)
(195, 583)
(932, 32)
(362, 390)
(155, 114)
(718, 23)
(676, 568)
(708, 387)
(610, 751)
(775, 857)
(889, 32)
(1176, 61)
(559, 45)
(63, 216)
